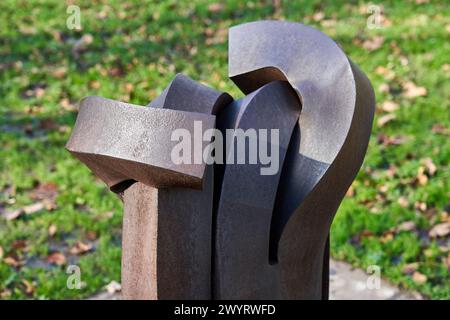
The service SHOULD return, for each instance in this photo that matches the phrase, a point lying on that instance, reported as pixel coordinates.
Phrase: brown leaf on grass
(67, 105)
(1, 252)
(387, 236)
(45, 191)
(431, 167)
(406, 226)
(389, 106)
(80, 248)
(421, 206)
(19, 244)
(91, 235)
(12, 261)
(410, 268)
(52, 230)
(385, 119)
(5, 294)
(317, 16)
(12, 214)
(440, 129)
(421, 176)
(440, 230)
(113, 287)
(373, 43)
(413, 91)
(56, 258)
(29, 209)
(215, 7)
(350, 192)
(391, 141)
(218, 36)
(383, 88)
(33, 208)
(402, 201)
(29, 287)
(95, 84)
(419, 278)
(59, 73)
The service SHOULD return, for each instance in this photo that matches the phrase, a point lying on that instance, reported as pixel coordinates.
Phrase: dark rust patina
(224, 231)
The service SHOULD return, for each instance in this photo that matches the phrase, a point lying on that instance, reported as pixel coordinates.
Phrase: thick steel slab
(120, 141)
(326, 150)
(182, 236)
(185, 94)
(247, 198)
(166, 244)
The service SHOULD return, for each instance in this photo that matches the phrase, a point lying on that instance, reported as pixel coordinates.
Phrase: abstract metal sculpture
(225, 231)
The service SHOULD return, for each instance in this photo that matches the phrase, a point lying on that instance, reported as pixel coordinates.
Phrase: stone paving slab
(346, 283)
(349, 283)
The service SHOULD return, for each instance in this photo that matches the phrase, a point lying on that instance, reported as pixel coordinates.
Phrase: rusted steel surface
(325, 152)
(225, 231)
(181, 238)
(247, 200)
(120, 141)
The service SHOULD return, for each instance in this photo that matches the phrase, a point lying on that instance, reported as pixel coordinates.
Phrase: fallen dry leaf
(402, 201)
(12, 214)
(318, 16)
(421, 206)
(59, 73)
(19, 244)
(406, 226)
(80, 248)
(91, 235)
(52, 230)
(389, 106)
(440, 129)
(383, 88)
(391, 141)
(374, 43)
(419, 277)
(413, 91)
(5, 294)
(350, 192)
(440, 230)
(215, 7)
(47, 190)
(1, 252)
(410, 268)
(12, 261)
(431, 167)
(113, 287)
(421, 176)
(385, 119)
(33, 208)
(29, 287)
(57, 258)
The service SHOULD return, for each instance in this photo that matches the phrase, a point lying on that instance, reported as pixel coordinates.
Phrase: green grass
(137, 48)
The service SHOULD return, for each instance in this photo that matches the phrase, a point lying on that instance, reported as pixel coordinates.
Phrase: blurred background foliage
(54, 212)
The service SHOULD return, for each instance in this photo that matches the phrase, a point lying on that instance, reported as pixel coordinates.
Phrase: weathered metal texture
(247, 198)
(185, 94)
(166, 242)
(325, 153)
(121, 142)
(167, 223)
(255, 236)
(167, 231)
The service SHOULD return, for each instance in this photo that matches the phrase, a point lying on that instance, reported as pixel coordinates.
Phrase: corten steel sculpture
(224, 231)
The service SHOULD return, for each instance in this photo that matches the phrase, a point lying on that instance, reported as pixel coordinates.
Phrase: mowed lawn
(55, 213)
